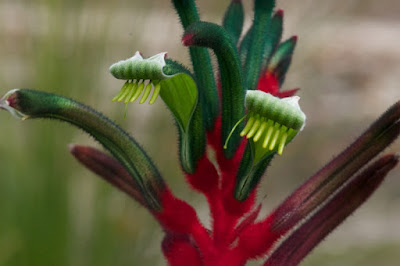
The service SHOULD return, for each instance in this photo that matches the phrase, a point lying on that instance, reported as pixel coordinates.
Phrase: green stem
(202, 66)
(233, 19)
(36, 104)
(217, 38)
(262, 17)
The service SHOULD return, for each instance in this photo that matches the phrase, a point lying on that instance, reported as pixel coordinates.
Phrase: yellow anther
(260, 131)
(282, 143)
(138, 92)
(156, 92)
(254, 128)
(275, 137)
(132, 93)
(146, 93)
(248, 126)
(268, 135)
(121, 92)
(125, 93)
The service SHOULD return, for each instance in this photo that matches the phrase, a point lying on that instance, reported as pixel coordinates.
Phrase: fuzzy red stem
(179, 217)
(226, 210)
(179, 250)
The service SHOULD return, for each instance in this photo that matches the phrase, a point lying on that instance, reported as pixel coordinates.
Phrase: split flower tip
(141, 74)
(272, 121)
(10, 103)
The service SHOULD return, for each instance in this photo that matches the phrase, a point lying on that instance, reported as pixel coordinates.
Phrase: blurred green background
(55, 212)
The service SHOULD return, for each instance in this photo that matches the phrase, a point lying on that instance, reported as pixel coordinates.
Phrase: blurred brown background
(54, 212)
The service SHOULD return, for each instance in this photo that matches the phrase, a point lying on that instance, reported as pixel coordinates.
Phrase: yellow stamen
(131, 93)
(121, 92)
(126, 92)
(282, 143)
(275, 138)
(233, 129)
(248, 126)
(268, 135)
(260, 131)
(146, 93)
(156, 92)
(138, 92)
(254, 128)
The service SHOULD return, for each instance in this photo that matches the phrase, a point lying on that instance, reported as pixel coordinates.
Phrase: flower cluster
(241, 114)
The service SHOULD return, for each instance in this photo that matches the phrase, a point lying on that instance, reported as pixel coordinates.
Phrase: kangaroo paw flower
(272, 123)
(178, 90)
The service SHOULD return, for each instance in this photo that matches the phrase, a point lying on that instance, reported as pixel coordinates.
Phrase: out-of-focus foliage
(54, 212)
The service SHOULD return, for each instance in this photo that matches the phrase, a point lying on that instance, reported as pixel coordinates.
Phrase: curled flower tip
(140, 75)
(279, 12)
(272, 122)
(9, 102)
(187, 39)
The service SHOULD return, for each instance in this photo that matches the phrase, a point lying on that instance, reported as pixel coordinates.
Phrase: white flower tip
(5, 104)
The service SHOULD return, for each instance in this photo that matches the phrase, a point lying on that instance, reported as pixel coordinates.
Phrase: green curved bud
(272, 123)
(27, 104)
(274, 37)
(281, 59)
(233, 19)
(205, 34)
(244, 46)
(202, 67)
(258, 37)
(178, 90)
